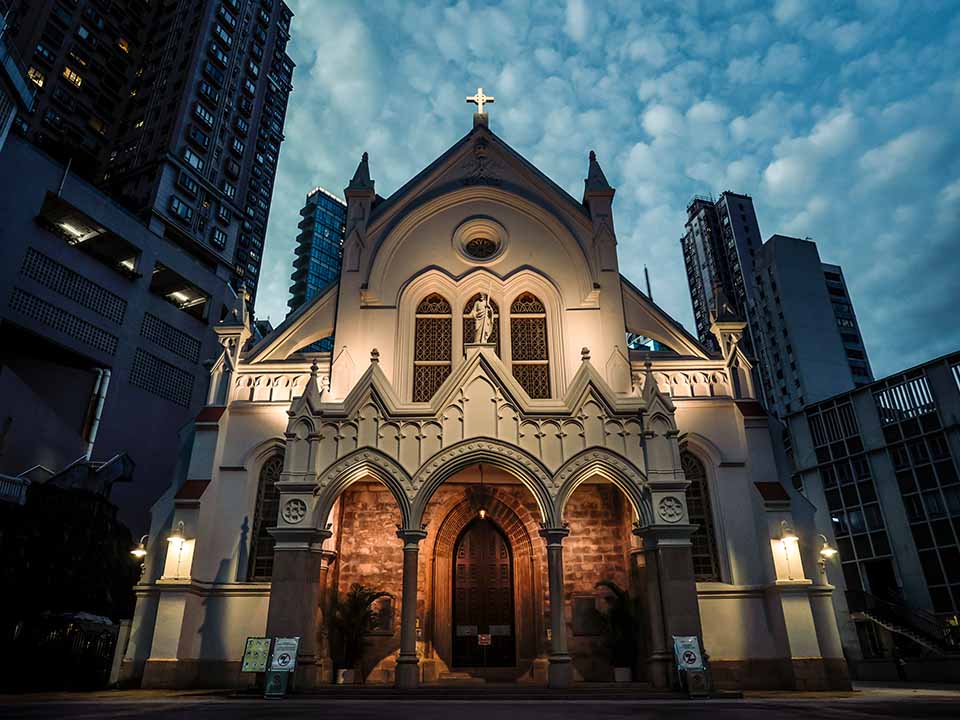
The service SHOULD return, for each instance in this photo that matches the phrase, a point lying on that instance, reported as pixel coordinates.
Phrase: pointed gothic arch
(706, 560)
(617, 470)
(449, 461)
(432, 346)
(265, 511)
(365, 463)
(530, 355)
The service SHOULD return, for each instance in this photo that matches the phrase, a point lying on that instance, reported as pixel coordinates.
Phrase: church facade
(484, 445)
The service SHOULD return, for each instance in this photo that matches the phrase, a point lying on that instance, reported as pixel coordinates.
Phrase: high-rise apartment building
(853, 346)
(16, 92)
(880, 464)
(805, 331)
(718, 247)
(175, 108)
(319, 250)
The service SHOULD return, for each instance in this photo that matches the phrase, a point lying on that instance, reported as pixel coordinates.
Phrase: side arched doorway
(484, 622)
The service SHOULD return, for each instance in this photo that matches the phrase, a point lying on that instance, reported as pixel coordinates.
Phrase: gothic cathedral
(489, 445)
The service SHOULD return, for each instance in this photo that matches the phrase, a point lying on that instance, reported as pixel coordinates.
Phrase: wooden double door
(483, 614)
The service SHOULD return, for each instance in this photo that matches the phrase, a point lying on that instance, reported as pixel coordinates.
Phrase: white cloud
(811, 113)
(577, 20)
(662, 121)
(901, 156)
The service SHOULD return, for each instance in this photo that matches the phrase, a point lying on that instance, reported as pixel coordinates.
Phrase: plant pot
(622, 674)
(347, 677)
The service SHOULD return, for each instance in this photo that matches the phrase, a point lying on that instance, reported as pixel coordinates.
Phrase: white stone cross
(479, 99)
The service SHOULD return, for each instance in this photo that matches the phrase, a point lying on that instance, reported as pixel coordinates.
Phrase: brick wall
(370, 553)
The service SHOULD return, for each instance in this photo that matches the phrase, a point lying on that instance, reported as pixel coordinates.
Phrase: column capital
(306, 538)
(411, 538)
(554, 535)
(654, 536)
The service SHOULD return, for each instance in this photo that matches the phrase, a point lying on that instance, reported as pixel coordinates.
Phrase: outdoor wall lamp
(140, 551)
(787, 535)
(827, 551)
(176, 535)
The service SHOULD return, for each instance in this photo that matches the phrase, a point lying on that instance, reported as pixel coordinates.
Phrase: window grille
(469, 329)
(62, 321)
(159, 377)
(66, 282)
(703, 541)
(528, 340)
(264, 518)
(167, 336)
(433, 346)
(909, 399)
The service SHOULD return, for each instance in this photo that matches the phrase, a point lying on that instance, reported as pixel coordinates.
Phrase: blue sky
(840, 119)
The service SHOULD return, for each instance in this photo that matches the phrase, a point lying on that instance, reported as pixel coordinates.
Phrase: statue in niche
(482, 314)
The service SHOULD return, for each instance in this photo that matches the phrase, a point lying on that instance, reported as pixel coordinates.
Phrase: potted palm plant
(619, 629)
(352, 619)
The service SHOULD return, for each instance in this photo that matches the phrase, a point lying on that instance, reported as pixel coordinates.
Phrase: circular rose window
(480, 248)
(480, 239)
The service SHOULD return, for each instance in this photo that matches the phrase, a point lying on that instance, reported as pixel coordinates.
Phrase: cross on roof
(479, 99)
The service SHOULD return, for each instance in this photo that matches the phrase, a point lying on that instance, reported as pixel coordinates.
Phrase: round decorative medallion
(294, 511)
(480, 239)
(670, 509)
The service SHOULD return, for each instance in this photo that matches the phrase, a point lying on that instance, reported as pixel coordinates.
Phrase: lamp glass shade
(139, 551)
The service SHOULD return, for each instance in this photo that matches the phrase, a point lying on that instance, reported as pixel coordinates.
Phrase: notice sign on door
(483, 639)
(285, 654)
(686, 648)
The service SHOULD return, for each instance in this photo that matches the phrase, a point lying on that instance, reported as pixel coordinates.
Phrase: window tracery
(265, 517)
(528, 341)
(469, 326)
(706, 568)
(432, 347)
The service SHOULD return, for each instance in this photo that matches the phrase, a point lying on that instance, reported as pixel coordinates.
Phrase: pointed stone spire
(596, 181)
(312, 393)
(361, 178)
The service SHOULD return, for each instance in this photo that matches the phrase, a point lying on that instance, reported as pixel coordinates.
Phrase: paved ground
(872, 702)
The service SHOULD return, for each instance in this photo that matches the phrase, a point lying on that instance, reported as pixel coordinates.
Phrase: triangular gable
(312, 321)
(646, 318)
(448, 165)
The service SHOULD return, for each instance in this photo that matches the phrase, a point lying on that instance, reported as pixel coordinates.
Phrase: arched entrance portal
(484, 627)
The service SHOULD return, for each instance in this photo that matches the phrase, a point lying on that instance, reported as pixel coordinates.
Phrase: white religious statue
(482, 313)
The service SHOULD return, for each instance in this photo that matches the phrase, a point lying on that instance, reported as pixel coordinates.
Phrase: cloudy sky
(840, 120)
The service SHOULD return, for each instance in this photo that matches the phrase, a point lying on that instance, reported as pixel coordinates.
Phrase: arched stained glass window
(469, 326)
(528, 342)
(432, 347)
(265, 517)
(705, 565)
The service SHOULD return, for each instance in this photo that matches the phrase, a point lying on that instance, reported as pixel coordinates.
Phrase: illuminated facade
(482, 444)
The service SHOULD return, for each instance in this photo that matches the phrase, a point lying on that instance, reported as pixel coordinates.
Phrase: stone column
(324, 660)
(672, 595)
(408, 669)
(295, 596)
(560, 671)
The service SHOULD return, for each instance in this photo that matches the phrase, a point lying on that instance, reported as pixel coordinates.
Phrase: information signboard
(256, 653)
(686, 648)
(285, 654)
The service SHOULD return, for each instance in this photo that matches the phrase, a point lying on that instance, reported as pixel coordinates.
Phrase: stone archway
(519, 526)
